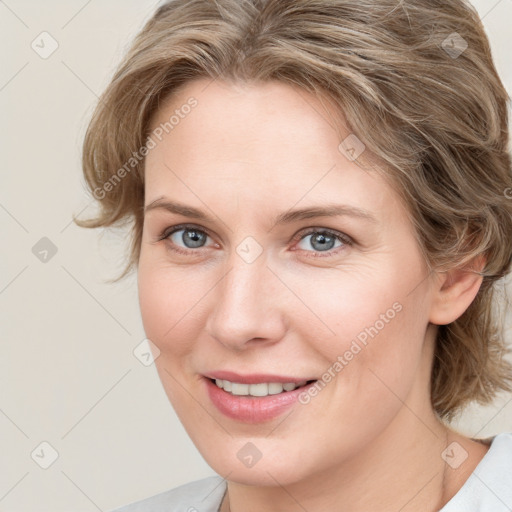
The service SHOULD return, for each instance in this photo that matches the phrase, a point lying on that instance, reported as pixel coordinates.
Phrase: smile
(254, 398)
(259, 389)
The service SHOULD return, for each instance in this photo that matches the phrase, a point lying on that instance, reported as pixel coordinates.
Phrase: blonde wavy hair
(415, 82)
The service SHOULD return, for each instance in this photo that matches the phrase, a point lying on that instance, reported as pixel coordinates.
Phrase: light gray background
(68, 373)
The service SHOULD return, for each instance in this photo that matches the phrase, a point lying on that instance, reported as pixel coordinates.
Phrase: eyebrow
(330, 210)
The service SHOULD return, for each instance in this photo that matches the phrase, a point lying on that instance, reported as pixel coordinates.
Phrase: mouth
(260, 389)
(254, 398)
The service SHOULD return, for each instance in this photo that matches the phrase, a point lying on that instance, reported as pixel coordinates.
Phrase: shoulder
(489, 487)
(200, 496)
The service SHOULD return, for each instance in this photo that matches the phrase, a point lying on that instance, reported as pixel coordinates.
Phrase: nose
(248, 306)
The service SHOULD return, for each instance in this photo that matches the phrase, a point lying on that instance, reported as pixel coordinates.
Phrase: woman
(318, 191)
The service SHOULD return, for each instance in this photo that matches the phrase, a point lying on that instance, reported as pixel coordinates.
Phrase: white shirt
(488, 489)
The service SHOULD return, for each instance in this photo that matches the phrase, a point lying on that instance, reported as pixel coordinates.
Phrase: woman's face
(269, 257)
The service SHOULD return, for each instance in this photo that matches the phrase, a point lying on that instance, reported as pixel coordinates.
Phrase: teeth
(274, 388)
(239, 389)
(260, 389)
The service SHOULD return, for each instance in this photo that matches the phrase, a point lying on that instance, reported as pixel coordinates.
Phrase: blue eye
(322, 241)
(318, 242)
(190, 237)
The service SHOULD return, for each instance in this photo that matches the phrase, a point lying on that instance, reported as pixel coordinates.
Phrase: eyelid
(317, 229)
(178, 227)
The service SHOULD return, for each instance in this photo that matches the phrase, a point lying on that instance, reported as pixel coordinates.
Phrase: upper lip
(254, 378)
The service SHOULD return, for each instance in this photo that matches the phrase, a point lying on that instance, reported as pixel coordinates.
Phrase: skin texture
(369, 440)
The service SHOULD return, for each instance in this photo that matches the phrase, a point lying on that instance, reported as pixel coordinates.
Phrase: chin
(240, 461)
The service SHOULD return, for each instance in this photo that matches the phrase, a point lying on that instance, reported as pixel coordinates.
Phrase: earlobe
(455, 290)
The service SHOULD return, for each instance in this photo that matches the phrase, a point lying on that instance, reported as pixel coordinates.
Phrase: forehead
(241, 116)
(256, 140)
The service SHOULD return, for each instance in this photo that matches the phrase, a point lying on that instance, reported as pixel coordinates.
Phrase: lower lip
(252, 409)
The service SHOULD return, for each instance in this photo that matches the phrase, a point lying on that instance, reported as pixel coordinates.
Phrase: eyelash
(345, 239)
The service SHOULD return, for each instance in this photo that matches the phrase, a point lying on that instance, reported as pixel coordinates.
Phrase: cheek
(375, 329)
(382, 362)
(168, 301)
(352, 307)
(168, 304)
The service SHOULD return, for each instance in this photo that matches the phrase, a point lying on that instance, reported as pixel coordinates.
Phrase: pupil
(192, 238)
(325, 242)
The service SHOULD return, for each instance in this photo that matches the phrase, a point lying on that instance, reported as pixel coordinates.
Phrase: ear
(454, 291)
